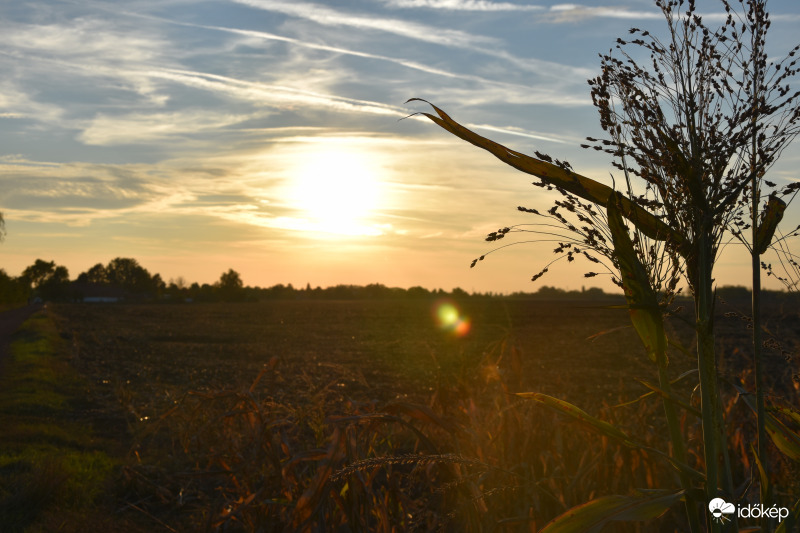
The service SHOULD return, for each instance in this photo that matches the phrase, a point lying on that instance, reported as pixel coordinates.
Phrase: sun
(337, 190)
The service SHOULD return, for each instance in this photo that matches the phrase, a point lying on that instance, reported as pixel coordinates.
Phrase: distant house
(97, 293)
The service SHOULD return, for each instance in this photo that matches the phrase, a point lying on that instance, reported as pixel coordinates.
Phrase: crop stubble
(378, 350)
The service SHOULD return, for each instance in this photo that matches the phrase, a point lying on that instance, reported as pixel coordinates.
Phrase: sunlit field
(389, 415)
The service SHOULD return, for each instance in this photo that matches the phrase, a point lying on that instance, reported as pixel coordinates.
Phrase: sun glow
(337, 190)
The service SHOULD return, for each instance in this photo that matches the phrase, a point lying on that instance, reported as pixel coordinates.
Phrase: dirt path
(10, 321)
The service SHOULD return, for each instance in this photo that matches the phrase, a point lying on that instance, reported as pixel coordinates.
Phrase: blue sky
(264, 135)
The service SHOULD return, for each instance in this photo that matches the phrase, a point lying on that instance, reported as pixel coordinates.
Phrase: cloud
(510, 130)
(485, 89)
(463, 5)
(575, 12)
(337, 50)
(578, 12)
(426, 33)
(72, 194)
(330, 17)
(37, 58)
(278, 96)
(108, 130)
(89, 39)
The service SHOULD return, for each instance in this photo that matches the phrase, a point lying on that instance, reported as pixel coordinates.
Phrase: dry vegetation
(363, 416)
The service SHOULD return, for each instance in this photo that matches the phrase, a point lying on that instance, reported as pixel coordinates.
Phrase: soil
(386, 350)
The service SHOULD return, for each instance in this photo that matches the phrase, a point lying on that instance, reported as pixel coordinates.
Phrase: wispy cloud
(324, 15)
(578, 12)
(575, 12)
(464, 5)
(273, 95)
(109, 130)
(422, 32)
(484, 89)
(336, 50)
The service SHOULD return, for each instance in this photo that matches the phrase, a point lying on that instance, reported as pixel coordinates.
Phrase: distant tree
(38, 272)
(550, 292)
(281, 291)
(418, 292)
(50, 281)
(230, 286)
(56, 286)
(96, 274)
(458, 292)
(158, 284)
(12, 290)
(230, 280)
(128, 274)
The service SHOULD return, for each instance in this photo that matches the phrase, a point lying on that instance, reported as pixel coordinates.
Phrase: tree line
(125, 279)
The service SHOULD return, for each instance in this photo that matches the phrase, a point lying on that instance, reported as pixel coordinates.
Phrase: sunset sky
(264, 135)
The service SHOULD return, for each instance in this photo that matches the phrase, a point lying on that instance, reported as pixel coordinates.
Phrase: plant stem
(758, 353)
(678, 447)
(706, 362)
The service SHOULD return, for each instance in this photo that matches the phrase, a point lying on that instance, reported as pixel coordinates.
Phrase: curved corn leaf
(791, 522)
(606, 429)
(788, 411)
(581, 186)
(669, 396)
(593, 516)
(765, 486)
(766, 228)
(786, 440)
(657, 390)
(579, 414)
(643, 306)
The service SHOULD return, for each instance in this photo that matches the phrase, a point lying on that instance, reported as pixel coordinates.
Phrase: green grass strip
(50, 464)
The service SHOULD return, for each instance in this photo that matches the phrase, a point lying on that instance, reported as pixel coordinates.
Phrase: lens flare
(449, 318)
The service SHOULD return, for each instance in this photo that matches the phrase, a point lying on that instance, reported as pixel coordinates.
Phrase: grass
(54, 473)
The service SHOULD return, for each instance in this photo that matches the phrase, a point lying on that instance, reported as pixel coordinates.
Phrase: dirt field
(383, 350)
(353, 380)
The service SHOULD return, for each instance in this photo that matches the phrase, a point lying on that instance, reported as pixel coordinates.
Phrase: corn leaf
(593, 516)
(312, 497)
(581, 186)
(643, 306)
(791, 522)
(766, 488)
(582, 416)
(766, 228)
(788, 411)
(606, 429)
(786, 440)
(669, 396)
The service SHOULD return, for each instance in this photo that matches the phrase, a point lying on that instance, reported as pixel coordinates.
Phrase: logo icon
(719, 508)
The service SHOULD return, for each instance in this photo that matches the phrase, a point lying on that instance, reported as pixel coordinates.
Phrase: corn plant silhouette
(698, 128)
